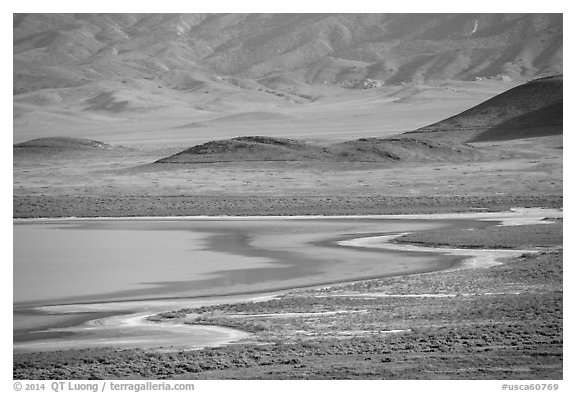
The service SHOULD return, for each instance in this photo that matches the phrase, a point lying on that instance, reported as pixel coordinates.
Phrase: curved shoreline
(472, 258)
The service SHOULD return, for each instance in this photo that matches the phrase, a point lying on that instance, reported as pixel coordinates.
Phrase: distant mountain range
(194, 52)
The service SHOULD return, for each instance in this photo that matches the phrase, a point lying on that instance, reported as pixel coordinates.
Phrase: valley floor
(522, 173)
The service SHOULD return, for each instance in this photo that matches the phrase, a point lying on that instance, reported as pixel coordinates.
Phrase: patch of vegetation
(511, 237)
(169, 315)
(31, 206)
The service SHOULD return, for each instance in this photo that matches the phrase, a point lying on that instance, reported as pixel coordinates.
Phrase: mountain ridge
(57, 50)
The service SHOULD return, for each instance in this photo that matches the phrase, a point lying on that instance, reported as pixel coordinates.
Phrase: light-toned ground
(335, 114)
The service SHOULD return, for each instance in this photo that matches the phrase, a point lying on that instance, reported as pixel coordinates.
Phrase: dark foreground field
(33, 206)
(503, 322)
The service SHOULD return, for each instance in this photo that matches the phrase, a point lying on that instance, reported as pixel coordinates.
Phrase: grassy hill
(61, 143)
(259, 148)
(58, 147)
(251, 148)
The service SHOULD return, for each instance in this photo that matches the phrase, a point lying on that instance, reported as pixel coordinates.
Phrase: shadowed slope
(541, 122)
(530, 110)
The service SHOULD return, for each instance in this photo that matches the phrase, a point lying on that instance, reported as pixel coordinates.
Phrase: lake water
(83, 261)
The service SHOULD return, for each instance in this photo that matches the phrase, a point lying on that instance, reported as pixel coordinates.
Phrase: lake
(59, 262)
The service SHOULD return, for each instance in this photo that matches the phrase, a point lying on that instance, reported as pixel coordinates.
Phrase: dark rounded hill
(249, 148)
(261, 148)
(53, 147)
(60, 142)
(530, 110)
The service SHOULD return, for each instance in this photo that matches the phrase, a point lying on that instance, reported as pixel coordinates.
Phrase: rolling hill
(59, 147)
(388, 150)
(62, 143)
(531, 110)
